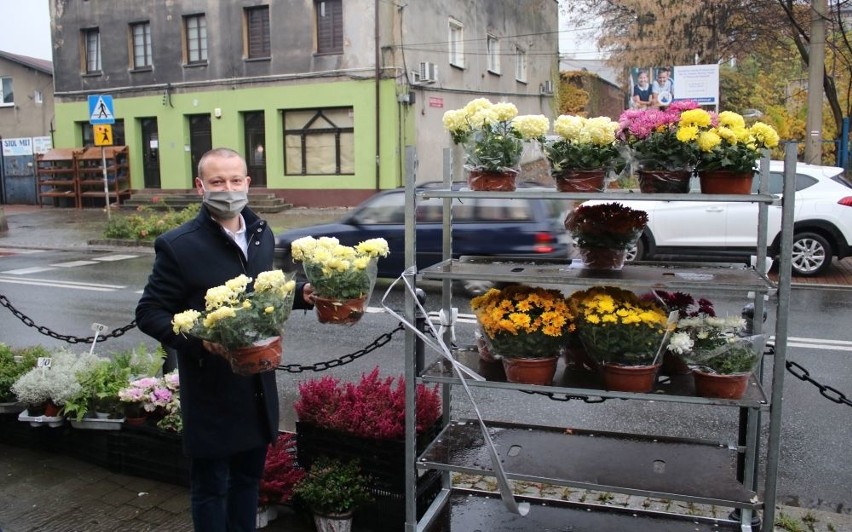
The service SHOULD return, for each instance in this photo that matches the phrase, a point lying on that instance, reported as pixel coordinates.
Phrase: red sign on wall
(435, 101)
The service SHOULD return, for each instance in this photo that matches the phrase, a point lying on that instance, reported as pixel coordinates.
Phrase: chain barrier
(796, 369)
(380, 341)
(26, 320)
(830, 393)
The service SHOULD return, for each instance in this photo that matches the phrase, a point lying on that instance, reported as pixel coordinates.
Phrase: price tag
(99, 328)
(43, 362)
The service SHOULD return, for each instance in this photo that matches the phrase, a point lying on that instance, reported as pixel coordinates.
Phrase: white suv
(822, 223)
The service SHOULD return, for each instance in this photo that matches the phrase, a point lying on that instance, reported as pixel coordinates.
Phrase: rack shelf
(580, 383)
(720, 473)
(664, 277)
(698, 471)
(475, 510)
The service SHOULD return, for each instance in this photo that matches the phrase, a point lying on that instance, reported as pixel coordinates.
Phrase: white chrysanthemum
(183, 322)
(531, 126)
(568, 126)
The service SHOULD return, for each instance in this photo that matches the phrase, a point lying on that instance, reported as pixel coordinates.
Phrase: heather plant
(374, 407)
(281, 472)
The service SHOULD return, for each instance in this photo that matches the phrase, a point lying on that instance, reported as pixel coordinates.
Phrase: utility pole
(816, 68)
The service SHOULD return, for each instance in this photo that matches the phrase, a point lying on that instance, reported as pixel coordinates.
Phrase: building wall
(531, 25)
(175, 165)
(26, 118)
(296, 77)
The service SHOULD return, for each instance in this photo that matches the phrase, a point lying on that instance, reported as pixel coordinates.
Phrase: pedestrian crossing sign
(103, 134)
(101, 109)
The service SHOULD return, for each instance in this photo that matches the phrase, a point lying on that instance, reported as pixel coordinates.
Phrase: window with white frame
(7, 97)
(92, 50)
(195, 31)
(492, 44)
(456, 43)
(520, 64)
(141, 34)
(38, 97)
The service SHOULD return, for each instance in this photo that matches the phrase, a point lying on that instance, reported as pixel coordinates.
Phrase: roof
(42, 65)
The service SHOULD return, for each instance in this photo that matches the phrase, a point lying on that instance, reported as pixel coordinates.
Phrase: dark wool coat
(223, 413)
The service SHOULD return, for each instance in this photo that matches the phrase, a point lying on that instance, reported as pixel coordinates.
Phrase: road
(67, 291)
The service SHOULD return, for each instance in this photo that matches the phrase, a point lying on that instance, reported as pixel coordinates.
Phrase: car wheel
(811, 254)
(636, 253)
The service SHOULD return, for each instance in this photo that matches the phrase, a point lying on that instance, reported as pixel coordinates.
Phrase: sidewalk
(42, 491)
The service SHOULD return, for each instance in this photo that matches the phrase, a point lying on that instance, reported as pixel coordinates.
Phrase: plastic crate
(153, 453)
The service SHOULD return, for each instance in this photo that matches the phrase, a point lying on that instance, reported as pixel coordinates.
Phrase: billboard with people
(655, 87)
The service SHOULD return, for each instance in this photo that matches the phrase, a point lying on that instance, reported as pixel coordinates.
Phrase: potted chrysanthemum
(721, 360)
(729, 151)
(623, 333)
(662, 145)
(584, 152)
(603, 232)
(527, 327)
(342, 276)
(246, 321)
(493, 135)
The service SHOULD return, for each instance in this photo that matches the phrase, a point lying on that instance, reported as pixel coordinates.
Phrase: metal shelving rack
(614, 462)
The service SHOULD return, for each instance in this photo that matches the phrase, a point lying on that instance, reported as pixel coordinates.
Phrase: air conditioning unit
(546, 87)
(428, 72)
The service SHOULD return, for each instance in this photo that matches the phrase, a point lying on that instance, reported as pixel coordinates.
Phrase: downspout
(378, 91)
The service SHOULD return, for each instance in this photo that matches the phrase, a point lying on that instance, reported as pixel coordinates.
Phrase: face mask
(225, 204)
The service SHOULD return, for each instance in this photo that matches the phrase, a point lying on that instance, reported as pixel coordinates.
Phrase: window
(456, 43)
(492, 45)
(92, 50)
(329, 26)
(38, 97)
(141, 44)
(195, 28)
(520, 65)
(257, 32)
(319, 141)
(8, 95)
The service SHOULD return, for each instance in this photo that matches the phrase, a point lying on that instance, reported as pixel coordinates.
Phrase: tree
(682, 32)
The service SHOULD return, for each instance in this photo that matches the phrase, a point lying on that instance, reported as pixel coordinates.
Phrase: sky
(25, 28)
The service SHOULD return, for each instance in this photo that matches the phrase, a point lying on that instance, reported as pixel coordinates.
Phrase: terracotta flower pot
(725, 182)
(492, 181)
(720, 386)
(638, 379)
(664, 181)
(580, 180)
(530, 370)
(263, 356)
(339, 311)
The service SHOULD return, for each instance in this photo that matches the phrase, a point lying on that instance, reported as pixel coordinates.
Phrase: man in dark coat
(228, 419)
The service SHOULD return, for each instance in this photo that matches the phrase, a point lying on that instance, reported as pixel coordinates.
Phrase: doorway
(150, 152)
(255, 145)
(200, 140)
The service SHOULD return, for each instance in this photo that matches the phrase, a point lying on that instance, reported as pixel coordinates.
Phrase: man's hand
(218, 349)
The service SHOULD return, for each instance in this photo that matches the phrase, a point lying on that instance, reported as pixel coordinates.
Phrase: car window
(382, 209)
(502, 210)
(776, 182)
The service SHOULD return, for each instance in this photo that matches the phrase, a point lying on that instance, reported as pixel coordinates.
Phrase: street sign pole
(101, 113)
(106, 183)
